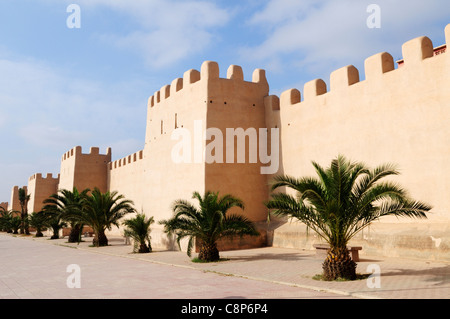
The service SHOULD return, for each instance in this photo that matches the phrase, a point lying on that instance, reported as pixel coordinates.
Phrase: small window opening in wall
(225, 102)
(254, 104)
(176, 122)
(162, 127)
(210, 101)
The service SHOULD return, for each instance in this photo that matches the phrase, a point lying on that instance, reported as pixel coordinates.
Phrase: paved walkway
(36, 268)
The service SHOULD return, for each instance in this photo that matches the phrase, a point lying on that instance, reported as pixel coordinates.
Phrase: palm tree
(54, 221)
(344, 199)
(38, 221)
(15, 223)
(101, 211)
(208, 223)
(66, 206)
(6, 220)
(138, 228)
(23, 201)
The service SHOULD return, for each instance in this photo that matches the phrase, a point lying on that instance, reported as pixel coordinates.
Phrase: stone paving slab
(37, 269)
(285, 269)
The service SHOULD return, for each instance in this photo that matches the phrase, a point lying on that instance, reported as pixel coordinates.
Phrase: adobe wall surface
(4, 205)
(191, 104)
(233, 103)
(158, 180)
(125, 176)
(400, 116)
(14, 203)
(84, 170)
(40, 188)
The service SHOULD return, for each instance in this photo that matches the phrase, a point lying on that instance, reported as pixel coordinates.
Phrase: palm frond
(346, 197)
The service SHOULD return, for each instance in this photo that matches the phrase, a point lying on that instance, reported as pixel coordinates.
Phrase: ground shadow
(437, 275)
(273, 256)
(367, 260)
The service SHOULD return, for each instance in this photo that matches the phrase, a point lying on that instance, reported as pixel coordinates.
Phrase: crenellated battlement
(77, 151)
(209, 71)
(126, 160)
(4, 205)
(38, 176)
(417, 54)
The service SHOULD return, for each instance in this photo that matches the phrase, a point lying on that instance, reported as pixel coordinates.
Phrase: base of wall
(427, 241)
(245, 242)
(87, 230)
(161, 240)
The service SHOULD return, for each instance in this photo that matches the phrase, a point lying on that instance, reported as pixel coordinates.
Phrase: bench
(322, 249)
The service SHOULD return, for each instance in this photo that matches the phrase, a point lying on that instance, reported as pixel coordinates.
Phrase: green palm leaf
(208, 222)
(343, 199)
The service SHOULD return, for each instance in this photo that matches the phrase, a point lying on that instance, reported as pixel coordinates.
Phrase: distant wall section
(84, 170)
(40, 188)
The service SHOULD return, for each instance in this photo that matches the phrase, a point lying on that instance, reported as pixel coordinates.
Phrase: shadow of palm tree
(438, 275)
(286, 257)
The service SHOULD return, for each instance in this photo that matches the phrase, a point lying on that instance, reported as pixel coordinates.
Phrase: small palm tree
(138, 228)
(54, 221)
(15, 223)
(343, 200)
(65, 206)
(23, 201)
(101, 211)
(5, 220)
(208, 223)
(38, 221)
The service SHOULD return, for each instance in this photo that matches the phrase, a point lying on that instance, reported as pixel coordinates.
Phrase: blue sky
(88, 86)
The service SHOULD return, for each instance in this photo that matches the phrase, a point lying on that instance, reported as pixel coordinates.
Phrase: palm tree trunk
(74, 233)
(22, 224)
(55, 233)
(100, 239)
(339, 264)
(143, 248)
(208, 252)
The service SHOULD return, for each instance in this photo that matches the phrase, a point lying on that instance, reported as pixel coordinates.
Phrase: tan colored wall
(4, 205)
(395, 115)
(14, 204)
(156, 181)
(126, 176)
(84, 170)
(39, 189)
(235, 103)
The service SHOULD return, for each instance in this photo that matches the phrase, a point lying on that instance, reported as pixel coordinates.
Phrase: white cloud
(168, 31)
(318, 36)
